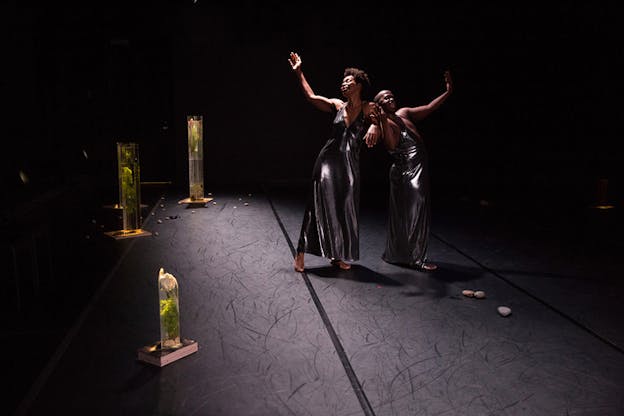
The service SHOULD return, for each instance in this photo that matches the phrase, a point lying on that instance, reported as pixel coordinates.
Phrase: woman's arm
(372, 135)
(381, 128)
(419, 113)
(322, 103)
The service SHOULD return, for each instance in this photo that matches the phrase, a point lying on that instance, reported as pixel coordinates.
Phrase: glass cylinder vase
(196, 157)
(169, 311)
(129, 185)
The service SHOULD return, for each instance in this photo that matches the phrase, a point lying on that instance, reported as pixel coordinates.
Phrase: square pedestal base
(198, 202)
(152, 354)
(121, 234)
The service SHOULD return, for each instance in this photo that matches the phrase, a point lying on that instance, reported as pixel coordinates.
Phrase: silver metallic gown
(331, 220)
(409, 205)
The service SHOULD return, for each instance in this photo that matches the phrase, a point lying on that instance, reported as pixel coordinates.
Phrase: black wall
(535, 113)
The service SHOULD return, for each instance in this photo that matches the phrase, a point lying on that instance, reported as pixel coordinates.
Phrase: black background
(535, 113)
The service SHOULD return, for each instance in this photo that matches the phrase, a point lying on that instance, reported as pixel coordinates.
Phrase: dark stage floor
(376, 340)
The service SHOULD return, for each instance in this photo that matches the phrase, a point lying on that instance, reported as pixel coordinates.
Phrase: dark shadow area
(356, 273)
(196, 205)
(434, 283)
(55, 257)
(452, 273)
(144, 376)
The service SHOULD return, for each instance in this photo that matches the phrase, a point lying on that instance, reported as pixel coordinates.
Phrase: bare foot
(299, 262)
(428, 266)
(341, 264)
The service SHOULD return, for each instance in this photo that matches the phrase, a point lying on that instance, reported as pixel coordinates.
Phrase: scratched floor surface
(376, 340)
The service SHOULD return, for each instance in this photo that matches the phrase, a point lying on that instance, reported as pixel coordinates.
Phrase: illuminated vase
(169, 311)
(196, 157)
(129, 185)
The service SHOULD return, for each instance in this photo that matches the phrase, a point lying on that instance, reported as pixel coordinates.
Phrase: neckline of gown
(343, 109)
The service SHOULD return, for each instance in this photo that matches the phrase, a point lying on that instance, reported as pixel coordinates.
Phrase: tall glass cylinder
(129, 184)
(169, 311)
(196, 157)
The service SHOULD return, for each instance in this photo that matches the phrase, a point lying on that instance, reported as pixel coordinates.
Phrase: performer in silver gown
(331, 220)
(409, 208)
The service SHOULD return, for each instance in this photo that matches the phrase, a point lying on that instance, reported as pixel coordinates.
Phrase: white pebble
(504, 311)
(159, 221)
(479, 294)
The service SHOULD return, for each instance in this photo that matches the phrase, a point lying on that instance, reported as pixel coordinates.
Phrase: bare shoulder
(337, 103)
(410, 114)
(402, 112)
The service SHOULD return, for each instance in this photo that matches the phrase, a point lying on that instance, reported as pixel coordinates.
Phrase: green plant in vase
(129, 199)
(194, 136)
(169, 310)
(129, 185)
(196, 156)
(197, 191)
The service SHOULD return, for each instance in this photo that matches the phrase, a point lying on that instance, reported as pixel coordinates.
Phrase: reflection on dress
(330, 224)
(409, 206)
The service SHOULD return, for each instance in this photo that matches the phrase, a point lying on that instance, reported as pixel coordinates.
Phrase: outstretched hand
(448, 80)
(295, 61)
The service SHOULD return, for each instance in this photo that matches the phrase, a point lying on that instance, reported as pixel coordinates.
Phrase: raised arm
(322, 103)
(419, 113)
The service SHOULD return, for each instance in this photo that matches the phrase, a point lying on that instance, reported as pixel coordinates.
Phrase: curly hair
(361, 77)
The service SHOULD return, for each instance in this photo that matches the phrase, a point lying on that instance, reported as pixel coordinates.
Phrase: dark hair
(361, 78)
(380, 94)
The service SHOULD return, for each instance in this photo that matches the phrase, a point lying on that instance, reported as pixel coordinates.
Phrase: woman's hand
(375, 131)
(377, 116)
(449, 81)
(372, 135)
(295, 61)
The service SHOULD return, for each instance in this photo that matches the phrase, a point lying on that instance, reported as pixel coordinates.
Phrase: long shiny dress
(409, 211)
(331, 220)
